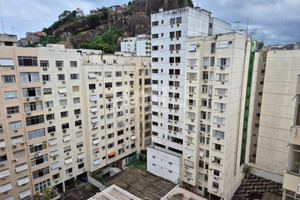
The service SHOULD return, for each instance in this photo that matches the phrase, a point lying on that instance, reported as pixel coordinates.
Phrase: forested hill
(105, 29)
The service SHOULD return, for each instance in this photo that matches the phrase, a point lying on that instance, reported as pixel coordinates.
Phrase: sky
(273, 21)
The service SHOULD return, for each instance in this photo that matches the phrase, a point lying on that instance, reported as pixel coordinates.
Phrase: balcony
(49, 193)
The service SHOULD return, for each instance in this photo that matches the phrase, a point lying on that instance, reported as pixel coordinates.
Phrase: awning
(66, 138)
(23, 181)
(4, 173)
(62, 90)
(145, 63)
(6, 62)
(9, 198)
(112, 153)
(96, 162)
(96, 142)
(24, 194)
(21, 167)
(5, 188)
(17, 140)
(93, 98)
(92, 75)
(53, 142)
(68, 161)
(94, 120)
(55, 165)
(132, 102)
(193, 47)
(94, 109)
(2, 144)
(133, 138)
(109, 95)
(80, 156)
(53, 153)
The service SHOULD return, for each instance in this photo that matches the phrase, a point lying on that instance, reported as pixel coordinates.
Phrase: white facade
(143, 45)
(216, 82)
(128, 45)
(169, 32)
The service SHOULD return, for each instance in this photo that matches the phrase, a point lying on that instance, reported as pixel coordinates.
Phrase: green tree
(64, 15)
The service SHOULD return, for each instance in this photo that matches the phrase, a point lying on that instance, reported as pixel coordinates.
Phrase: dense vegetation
(106, 41)
(46, 39)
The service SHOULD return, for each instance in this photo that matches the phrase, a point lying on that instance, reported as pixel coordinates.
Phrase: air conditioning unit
(50, 122)
(218, 126)
(2, 164)
(71, 174)
(49, 109)
(64, 131)
(8, 116)
(188, 178)
(63, 82)
(12, 68)
(222, 67)
(14, 145)
(56, 181)
(15, 159)
(3, 148)
(192, 120)
(36, 98)
(37, 154)
(192, 67)
(44, 82)
(215, 190)
(209, 106)
(77, 116)
(188, 156)
(22, 143)
(93, 91)
(80, 126)
(15, 130)
(223, 82)
(52, 134)
(64, 106)
(188, 143)
(68, 153)
(45, 69)
(3, 178)
(27, 99)
(220, 97)
(54, 158)
(28, 113)
(60, 68)
(216, 177)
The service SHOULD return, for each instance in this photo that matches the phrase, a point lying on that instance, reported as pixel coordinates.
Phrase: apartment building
(291, 181)
(169, 31)
(118, 101)
(63, 104)
(276, 119)
(139, 45)
(8, 40)
(24, 165)
(219, 97)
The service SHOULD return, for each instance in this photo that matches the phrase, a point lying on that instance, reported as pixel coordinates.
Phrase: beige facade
(8, 40)
(279, 86)
(216, 81)
(24, 165)
(49, 126)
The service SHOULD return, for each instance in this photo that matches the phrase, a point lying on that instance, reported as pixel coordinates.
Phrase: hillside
(104, 30)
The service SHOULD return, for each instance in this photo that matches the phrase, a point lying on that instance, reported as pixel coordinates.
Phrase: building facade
(139, 45)
(66, 112)
(219, 99)
(169, 31)
(279, 88)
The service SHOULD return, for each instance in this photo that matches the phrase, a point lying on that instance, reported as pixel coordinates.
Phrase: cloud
(275, 21)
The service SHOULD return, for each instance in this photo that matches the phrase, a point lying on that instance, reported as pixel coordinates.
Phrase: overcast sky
(273, 21)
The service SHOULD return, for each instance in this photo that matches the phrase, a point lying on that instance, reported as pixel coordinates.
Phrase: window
(179, 20)
(41, 186)
(8, 79)
(213, 48)
(34, 120)
(67, 149)
(15, 125)
(48, 104)
(39, 160)
(155, 23)
(31, 92)
(118, 74)
(40, 173)
(294, 164)
(108, 85)
(223, 44)
(77, 112)
(10, 95)
(78, 134)
(107, 74)
(27, 77)
(224, 61)
(59, 63)
(178, 34)
(44, 63)
(60, 77)
(92, 86)
(12, 110)
(193, 47)
(47, 91)
(219, 134)
(215, 185)
(63, 102)
(46, 77)
(70, 170)
(74, 76)
(218, 147)
(155, 35)
(76, 100)
(64, 114)
(172, 21)
(27, 61)
(73, 63)
(33, 106)
(78, 123)
(36, 134)
(37, 147)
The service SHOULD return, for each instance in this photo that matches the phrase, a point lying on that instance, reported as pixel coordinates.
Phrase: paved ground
(81, 192)
(257, 188)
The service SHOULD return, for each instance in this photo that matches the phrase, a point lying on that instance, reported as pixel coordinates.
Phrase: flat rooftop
(141, 183)
(179, 193)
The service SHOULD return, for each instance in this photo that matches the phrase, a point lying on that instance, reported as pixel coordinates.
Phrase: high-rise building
(139, 45)
(169, 31)
(64, 112)
(24, 153)
(220, 79)
(276, 115)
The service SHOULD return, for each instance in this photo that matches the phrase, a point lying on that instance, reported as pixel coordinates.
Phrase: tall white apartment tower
(169, 31)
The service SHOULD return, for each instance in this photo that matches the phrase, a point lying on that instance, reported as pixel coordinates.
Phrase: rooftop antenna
(247, 25)
(237, 23)
(12, 30)
(2, 26)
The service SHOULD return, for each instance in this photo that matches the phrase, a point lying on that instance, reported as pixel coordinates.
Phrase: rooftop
(141, 183)
(179, 193)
